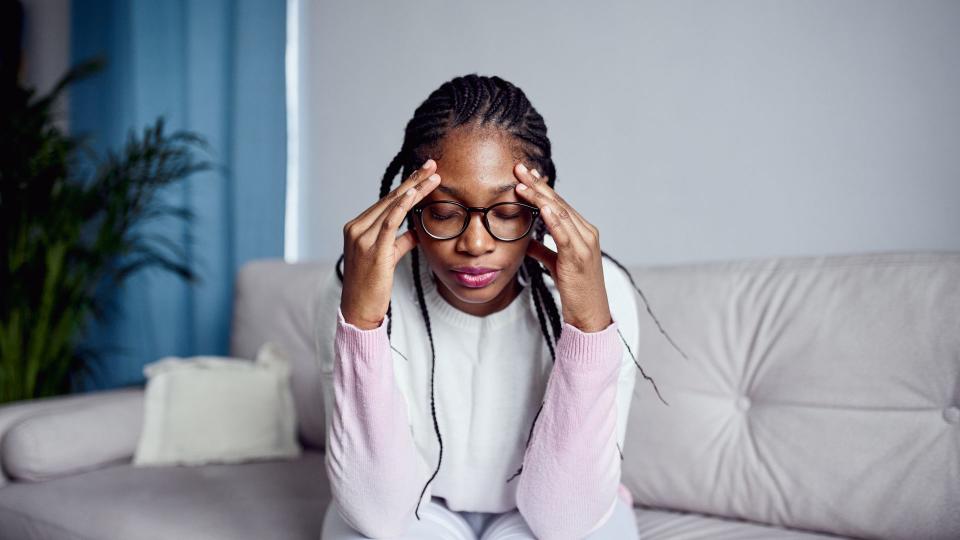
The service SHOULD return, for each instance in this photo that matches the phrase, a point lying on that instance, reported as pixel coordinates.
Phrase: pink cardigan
(571, 468)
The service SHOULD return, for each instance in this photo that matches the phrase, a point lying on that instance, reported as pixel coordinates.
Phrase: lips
(475, 276)
(474, 269)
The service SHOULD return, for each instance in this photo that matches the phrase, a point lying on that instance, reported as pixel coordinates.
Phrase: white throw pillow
(214, 409)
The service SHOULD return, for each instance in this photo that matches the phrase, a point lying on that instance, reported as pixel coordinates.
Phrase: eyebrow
(496, 189)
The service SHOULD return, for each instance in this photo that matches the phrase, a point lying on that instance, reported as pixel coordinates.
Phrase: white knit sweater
(490, 377)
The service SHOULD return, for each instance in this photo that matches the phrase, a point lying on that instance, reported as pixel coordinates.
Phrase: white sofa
(820, 398)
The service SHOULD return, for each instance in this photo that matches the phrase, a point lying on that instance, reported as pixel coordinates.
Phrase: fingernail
(547, 210)
(535, 173)
(521, 187)
(434, 177)
(426, 164)
(523, 168)
(410, 192)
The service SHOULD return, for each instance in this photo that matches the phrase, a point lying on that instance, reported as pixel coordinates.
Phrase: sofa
(802, 397)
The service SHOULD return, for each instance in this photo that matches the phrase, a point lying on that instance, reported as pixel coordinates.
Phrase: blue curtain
(215, 67)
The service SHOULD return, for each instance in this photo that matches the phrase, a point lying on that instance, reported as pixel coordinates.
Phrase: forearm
(371, 458)
(571, 469)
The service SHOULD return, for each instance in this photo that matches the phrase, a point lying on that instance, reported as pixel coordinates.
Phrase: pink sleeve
(371, 459)
(571, 470)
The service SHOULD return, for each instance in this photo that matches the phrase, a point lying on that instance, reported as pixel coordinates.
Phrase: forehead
(476, 165)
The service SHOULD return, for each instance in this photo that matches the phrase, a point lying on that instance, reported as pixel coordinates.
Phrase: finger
(542, 253)
(559, 222)
(586, 225)
(376, 209)
(417, 178)
(407, 199)
(563, 232)
(539, 193)
(389, 222)
(404, 243)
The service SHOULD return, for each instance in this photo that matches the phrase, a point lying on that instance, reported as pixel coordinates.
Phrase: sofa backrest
(273, 301)
(819, 393)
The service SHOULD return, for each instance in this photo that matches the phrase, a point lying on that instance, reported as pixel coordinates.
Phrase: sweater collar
(439, 307)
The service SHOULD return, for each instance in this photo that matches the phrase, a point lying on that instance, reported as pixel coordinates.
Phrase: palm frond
(75, 227)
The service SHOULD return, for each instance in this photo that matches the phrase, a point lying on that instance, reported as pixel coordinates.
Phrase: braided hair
(493, 103)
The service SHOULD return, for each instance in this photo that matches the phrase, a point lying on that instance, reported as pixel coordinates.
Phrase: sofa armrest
(41, 438)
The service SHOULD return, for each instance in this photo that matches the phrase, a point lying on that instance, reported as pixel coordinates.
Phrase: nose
(476, 240)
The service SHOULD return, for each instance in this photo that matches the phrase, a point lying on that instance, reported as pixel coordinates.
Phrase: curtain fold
(215, 67)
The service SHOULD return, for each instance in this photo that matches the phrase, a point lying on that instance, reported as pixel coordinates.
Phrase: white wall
(686, 131)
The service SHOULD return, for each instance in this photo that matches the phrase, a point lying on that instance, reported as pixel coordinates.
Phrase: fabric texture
(209, 409)
(492, 374)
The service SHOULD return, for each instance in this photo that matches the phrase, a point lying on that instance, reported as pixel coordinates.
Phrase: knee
(437, 523)
(620, 525)
(335, 527)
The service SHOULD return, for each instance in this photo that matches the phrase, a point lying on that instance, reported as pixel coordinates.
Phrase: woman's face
(476, 169)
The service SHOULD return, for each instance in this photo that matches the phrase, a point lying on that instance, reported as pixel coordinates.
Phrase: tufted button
(743, 403)
(952, 414)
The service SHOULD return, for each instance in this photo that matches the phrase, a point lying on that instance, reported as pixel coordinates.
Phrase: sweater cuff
(359, 339)
(342, 321)
(590, 350)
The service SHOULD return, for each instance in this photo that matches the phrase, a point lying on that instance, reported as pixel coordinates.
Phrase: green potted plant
(70, 224)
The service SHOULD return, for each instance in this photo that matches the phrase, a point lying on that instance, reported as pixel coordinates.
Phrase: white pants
(440, 523)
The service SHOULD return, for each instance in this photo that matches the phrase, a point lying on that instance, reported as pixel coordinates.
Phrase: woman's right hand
(372, 249)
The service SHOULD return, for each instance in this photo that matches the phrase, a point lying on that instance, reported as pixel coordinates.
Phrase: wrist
(595, 324)
(361, 322)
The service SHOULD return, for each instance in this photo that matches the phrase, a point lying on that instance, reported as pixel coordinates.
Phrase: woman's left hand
(576, 266)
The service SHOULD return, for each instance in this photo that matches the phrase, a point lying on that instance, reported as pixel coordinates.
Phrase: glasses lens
(443, 220)
(510, 221)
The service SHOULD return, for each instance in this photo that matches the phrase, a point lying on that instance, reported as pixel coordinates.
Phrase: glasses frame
(418, 211)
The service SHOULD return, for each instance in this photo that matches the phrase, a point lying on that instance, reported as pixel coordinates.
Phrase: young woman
(491, 337)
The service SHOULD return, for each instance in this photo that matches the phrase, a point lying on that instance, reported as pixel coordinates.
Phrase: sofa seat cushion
(277, 499)
(661, 524)
(280, 499)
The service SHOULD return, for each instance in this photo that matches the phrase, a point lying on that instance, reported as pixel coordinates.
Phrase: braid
(528, 262)
(480, 102)
(537, 272)
(415, 261)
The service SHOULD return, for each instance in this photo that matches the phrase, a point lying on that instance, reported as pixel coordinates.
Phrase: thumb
(404, 243)
(545, 255)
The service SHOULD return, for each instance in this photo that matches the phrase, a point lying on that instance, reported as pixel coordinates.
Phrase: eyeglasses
(506, 221)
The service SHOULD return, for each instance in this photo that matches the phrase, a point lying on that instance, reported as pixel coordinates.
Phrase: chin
(475, 295)
(478, 295)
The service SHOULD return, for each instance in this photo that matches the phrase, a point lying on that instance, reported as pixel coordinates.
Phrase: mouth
(474, 276)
